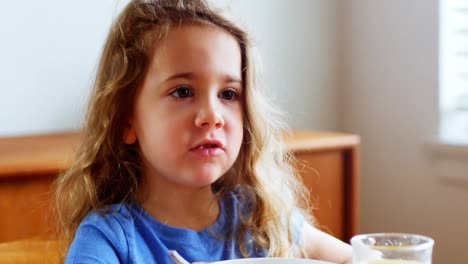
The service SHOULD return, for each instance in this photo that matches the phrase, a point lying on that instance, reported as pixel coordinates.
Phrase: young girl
(180, 150)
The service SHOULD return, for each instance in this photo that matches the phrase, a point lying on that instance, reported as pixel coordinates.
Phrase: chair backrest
(34, 250)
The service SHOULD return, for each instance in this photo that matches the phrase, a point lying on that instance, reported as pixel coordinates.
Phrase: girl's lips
(208, 148)
(209, 143)
(207, 152)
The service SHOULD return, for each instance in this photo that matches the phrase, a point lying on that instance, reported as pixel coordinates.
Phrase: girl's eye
(229, 95)
(182, 92)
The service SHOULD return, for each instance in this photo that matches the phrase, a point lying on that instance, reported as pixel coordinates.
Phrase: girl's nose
(209, 116)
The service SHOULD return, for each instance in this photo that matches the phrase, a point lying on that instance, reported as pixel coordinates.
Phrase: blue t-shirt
(128, 234)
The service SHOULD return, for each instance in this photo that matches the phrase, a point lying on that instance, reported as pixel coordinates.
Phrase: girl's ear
(129, 134)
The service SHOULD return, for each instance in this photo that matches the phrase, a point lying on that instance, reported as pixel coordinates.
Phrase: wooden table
(327, 162)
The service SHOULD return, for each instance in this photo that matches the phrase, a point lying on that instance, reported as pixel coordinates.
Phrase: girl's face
(188, 114)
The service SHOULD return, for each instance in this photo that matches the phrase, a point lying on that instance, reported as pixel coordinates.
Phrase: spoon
(178, 259)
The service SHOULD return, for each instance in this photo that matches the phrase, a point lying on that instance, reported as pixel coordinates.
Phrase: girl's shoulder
(108, 213)
(113, 219)
(102, 235)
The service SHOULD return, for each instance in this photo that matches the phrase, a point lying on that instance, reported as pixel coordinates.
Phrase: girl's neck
(180, 206)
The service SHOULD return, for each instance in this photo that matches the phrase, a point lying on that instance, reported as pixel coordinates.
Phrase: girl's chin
(204, 181)
(200, 176)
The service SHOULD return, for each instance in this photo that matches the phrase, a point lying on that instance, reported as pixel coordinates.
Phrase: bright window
(453, 102)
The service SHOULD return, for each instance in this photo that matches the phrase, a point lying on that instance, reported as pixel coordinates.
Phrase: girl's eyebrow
(230, 78)
(183, 75)
(191, 75)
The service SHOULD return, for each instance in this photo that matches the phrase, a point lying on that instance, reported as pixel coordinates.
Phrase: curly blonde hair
(106, 170)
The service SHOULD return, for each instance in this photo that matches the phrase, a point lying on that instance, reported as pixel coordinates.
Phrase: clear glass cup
(392, 248)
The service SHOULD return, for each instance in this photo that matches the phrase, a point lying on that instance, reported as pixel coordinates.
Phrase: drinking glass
(392, 248)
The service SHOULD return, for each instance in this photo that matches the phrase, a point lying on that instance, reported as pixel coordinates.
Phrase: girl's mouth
(207, 151)
(208, 148)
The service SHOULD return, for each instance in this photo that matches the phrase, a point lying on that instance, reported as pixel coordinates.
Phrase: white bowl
(271, 261)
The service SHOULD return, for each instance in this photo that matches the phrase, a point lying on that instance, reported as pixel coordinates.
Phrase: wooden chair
(34, 250)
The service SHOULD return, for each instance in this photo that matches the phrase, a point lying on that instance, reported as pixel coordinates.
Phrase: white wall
(50, 48)
(298, 43)
(48, 51)
(389, 72)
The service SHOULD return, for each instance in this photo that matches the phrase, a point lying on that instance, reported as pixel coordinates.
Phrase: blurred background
(393, 72)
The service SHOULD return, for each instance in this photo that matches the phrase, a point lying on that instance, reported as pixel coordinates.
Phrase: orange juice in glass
(392, 248)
